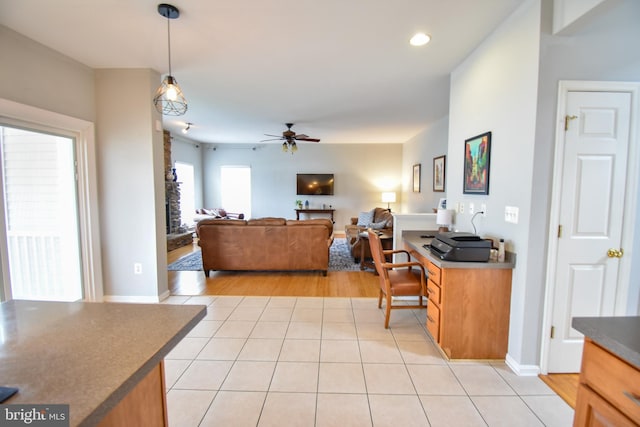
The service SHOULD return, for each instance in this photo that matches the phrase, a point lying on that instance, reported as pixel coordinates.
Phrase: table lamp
(388, 197)
(444, 218)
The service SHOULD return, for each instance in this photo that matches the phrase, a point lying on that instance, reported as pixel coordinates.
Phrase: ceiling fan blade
(301, 136)
(275, 136)
(273, 139)
(308, 139)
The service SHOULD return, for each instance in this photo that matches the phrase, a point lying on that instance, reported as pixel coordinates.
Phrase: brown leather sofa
(384, 223)
(274, 244)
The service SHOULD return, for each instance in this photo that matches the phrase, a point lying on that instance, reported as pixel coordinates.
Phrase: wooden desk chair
(397, 279)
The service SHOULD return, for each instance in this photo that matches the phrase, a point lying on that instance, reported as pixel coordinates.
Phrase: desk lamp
(444, 218)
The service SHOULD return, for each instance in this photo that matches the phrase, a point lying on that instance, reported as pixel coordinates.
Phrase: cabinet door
(594, 411)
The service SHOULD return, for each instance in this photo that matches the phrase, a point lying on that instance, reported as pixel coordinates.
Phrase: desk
(315, 211)
(468, 303)
(103, 359)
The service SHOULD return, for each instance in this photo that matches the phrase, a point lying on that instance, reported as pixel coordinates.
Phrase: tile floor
(280, 361)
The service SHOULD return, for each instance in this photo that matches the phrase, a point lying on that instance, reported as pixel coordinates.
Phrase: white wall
(602, 48)
(131, 176)
(35, 75)
(495, 89)
(361, 172)
(431, 142)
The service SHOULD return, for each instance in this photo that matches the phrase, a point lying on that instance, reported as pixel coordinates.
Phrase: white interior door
(592, 203)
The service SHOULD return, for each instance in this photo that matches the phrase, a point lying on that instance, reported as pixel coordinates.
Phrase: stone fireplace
(177, 235)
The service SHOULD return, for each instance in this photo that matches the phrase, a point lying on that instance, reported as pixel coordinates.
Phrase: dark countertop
(87, 355)
(619, 335)
(414, 239)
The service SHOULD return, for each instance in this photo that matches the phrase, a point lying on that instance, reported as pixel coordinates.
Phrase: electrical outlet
(483, 208)
(511, 214)
(471, 209)
(461, 208)
(137, 268)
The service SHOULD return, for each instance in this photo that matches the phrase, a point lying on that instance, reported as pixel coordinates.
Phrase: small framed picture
(477, 154)
(416, 178)
(438, 173)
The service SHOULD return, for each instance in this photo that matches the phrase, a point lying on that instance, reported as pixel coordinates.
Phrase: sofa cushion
(365, 218)
(378, 225)
(267, 221)
(314, 221)
(381, 214)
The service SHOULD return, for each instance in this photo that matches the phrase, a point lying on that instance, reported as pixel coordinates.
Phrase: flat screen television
(314, 184)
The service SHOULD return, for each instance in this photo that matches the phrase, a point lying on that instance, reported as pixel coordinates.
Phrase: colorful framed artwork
(438, 173)
(416, 178)
(477, 154)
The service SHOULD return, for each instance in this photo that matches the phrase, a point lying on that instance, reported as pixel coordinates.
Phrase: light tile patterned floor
(280, 361)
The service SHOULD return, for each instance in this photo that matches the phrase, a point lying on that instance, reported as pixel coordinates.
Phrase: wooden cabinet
(609, 390)
(468, 308)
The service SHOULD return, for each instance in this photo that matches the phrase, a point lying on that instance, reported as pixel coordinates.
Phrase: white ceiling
(341, 70)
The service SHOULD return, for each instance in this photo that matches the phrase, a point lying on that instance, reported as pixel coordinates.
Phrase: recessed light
(420, 39)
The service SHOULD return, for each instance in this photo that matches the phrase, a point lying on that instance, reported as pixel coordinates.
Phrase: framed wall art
(416, 178)
(438, 173)
(477, 154)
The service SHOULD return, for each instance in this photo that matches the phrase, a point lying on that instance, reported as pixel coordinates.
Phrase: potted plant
(299, 204)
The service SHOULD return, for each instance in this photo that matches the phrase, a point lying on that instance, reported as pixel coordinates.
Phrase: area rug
(339, 259)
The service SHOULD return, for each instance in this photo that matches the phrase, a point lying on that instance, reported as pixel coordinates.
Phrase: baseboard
(137, 299)
(521, 370)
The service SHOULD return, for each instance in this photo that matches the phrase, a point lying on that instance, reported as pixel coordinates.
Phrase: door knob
(615, 253)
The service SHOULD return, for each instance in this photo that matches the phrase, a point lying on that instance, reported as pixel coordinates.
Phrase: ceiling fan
(289, 139)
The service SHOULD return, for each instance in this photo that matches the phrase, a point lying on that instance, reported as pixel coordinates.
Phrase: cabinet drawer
(433, 320)
(433, 292)
(612, 378)
(593, 411)
(433, 272)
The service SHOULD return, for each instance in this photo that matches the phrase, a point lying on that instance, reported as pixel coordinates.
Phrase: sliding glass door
(40, 215)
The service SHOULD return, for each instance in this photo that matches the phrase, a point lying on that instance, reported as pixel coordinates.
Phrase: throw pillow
(378, 225)
(365, 218)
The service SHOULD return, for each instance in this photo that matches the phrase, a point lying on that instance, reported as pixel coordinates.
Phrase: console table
(316, 211)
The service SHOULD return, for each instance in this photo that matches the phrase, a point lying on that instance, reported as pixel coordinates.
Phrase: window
(235, 183)
(185, 174)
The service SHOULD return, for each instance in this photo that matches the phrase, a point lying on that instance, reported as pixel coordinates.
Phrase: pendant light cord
(169, 42)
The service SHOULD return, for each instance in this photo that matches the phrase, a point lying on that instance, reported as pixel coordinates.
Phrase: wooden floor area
(334, 284)
(565, 386)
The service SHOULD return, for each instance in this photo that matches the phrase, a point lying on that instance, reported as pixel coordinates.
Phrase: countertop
(87, 355)
(618, 335)
(414, 239)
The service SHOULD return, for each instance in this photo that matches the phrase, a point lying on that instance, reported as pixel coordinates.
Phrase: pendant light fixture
(169, 99)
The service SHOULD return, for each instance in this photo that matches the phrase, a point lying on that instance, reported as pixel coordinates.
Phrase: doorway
(41, 221)
(593, 211)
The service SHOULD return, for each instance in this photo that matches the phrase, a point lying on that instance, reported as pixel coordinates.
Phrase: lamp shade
(444, 217)
(389, 197)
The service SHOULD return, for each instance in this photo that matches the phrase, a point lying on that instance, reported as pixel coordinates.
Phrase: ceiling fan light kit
(169, 99)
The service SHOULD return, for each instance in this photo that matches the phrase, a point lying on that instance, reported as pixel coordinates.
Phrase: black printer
(458, 246)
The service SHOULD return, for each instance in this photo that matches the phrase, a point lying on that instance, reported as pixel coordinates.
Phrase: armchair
(381, 220)
(397, 279)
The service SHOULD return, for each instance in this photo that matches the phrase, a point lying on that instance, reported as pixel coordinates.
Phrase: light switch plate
(461, 208)
(511, 214)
